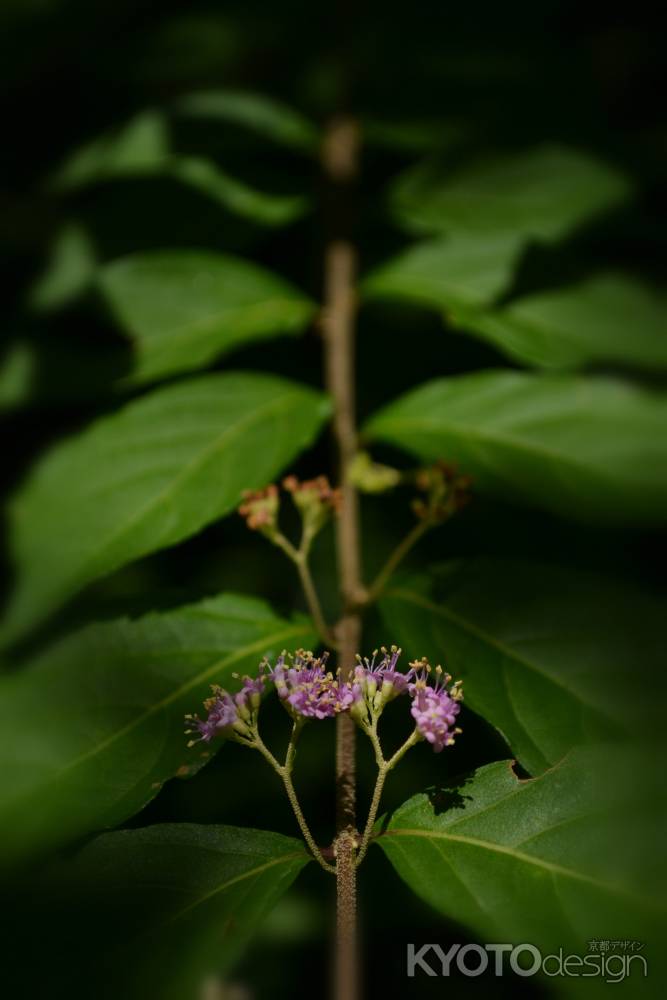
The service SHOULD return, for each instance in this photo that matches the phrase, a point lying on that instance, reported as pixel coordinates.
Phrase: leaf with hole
(556, 861)
(523, 635)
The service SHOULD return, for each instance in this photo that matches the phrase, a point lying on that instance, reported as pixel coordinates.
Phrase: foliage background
(464, 80)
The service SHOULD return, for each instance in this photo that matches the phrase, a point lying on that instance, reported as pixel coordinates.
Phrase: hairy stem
(384, 767)
(284, 772)
(300, 818)
(340, 165)
(372, 813)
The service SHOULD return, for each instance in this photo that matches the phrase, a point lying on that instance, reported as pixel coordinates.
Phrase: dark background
(488, 75)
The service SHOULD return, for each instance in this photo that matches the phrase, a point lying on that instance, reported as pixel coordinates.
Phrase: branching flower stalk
(360, 689)
(308, 691)
(316, 501)
(446, 492)
(384, 767)
(284, 772)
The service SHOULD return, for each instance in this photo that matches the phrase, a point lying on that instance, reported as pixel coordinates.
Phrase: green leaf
(542, 194)
(69, 272)
(148, 476)
(261, 114)
(141, 145)
(183, 308)
(236, 196)
(525, 635)
(58, 370)
(589, 448)
(93, 727)
(412, 135)
(448, 273)
(555, 861)
(17, 372)
(164, 907)
(609, 318)
(142, 148)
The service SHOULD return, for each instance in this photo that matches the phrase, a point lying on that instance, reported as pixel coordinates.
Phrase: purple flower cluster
(309, 691)
(382, 677)
(435, 708)
(228, 715)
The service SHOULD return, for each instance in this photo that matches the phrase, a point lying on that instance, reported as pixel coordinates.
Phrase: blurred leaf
(233, 194)
(590, 448)
(142, 148)
(54, 369)
(16, 375)
(448, 273)
(164, 906)
(149, 476)
(610, 318)
(525, 635)
(555, 861)
(411, 135)
(94, 726)
(186, 46)
(261, 114)
(184, 307)
(142, 145)
(69, 272)
(543, 194)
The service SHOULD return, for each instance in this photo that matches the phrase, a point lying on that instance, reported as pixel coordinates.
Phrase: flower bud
(372, 477)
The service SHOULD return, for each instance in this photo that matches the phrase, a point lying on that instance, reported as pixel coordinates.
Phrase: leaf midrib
(534, 449)
(257, 415)
(209, 323)
(258, 646)
(251, 873)
(482, 636)
(549, 866)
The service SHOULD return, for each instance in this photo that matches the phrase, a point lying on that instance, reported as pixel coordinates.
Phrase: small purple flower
(248, 698)
(228, 715)
(434, 707)
(222, 715)
(370, 676)
(306, 688)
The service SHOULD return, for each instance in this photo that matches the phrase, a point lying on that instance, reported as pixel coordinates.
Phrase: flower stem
(300, 818)
(313, 601)
(384, 767)
(284, 772)
(300, 559)
(372, 813)
(396, 558)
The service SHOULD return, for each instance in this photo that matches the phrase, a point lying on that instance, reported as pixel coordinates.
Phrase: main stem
(340, 165)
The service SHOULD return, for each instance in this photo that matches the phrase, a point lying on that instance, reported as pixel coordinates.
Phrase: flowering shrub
(410, 330)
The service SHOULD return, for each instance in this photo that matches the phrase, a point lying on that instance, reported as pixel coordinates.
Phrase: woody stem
(340, 156)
